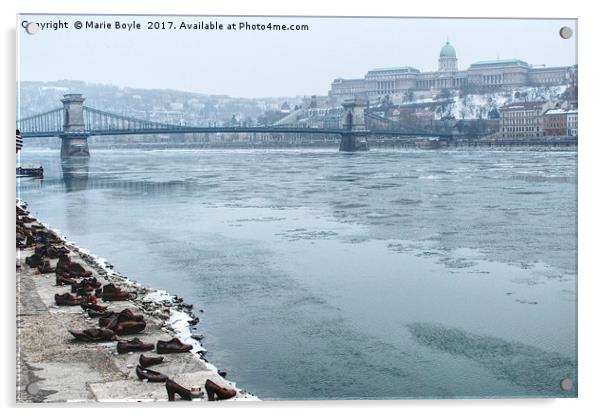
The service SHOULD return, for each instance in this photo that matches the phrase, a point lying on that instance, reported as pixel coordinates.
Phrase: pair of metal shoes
(144, 373)
(214, 391)
(113, 293)
(123, 323)
(163, 347)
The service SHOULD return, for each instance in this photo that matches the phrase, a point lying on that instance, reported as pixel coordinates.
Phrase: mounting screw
(32, 28)
(566, 384)
(33, 389)
(566, 32)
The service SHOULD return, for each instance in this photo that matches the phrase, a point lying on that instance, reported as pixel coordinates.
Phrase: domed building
(397, 82)
(447, 58)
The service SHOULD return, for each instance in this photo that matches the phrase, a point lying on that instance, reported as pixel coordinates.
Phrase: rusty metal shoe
(55, 252)
(148, 361)
(78, 270)
(112, 292)
(88, 284)
(64, 280)
(128, 315)
(134, 345)
(172, 346)
(94, 334)
(49, 251)
(215, 392)
(112, 320)
(42, 250)
(66, 299)
(82, 288)
(150, 375)
(87, 306)
(129, 327)
(92, 281)
(174, 388)
(64, 277)
(62, 266)
(44, 267)
(34, 260)
(99, 314)
(44, 236)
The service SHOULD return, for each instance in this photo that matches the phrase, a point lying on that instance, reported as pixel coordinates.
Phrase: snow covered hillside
(473, 106)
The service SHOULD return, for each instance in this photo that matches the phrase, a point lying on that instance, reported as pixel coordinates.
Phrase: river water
(383, 274)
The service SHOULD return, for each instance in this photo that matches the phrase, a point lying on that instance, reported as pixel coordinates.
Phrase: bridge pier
(352, 142)
(74, 139)
(356, 139)
(74, 145)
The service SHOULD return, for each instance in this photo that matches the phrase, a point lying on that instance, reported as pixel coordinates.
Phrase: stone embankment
(52, 366)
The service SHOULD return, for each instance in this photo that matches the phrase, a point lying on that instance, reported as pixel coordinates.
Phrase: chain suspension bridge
(74, 122)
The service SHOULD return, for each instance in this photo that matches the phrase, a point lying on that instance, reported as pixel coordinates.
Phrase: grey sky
(256, 64)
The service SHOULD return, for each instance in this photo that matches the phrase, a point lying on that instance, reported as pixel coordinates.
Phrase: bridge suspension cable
(47, 122)
(99, 120)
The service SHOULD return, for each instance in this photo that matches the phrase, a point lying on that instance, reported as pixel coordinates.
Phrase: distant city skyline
(270, 64)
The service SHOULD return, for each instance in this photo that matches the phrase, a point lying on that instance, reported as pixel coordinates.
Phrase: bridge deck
(86, 121)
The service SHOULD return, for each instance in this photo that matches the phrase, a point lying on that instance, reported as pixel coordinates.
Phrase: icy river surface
(382, 274)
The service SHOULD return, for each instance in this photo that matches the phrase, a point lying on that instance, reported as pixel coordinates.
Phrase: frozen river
(385, 274)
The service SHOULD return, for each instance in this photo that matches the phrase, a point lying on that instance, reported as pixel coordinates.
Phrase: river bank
(53, 367)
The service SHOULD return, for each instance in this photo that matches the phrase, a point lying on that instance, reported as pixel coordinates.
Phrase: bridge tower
(353, 120)
(74, 137)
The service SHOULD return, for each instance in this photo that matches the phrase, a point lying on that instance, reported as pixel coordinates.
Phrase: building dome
(447, 51)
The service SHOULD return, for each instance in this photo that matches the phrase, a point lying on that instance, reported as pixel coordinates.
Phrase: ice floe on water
(303, 234)
(457, 263)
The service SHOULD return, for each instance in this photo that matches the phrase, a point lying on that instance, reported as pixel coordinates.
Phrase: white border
(590, 347)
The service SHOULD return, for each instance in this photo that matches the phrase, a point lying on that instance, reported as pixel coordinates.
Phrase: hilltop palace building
(497, 74)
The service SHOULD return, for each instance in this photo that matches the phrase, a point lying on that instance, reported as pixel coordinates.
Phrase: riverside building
(398, 82)
(571, 123)
(523, 119)
(560, 122)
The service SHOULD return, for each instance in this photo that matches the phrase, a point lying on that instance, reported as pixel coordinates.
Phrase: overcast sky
(268, 63)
